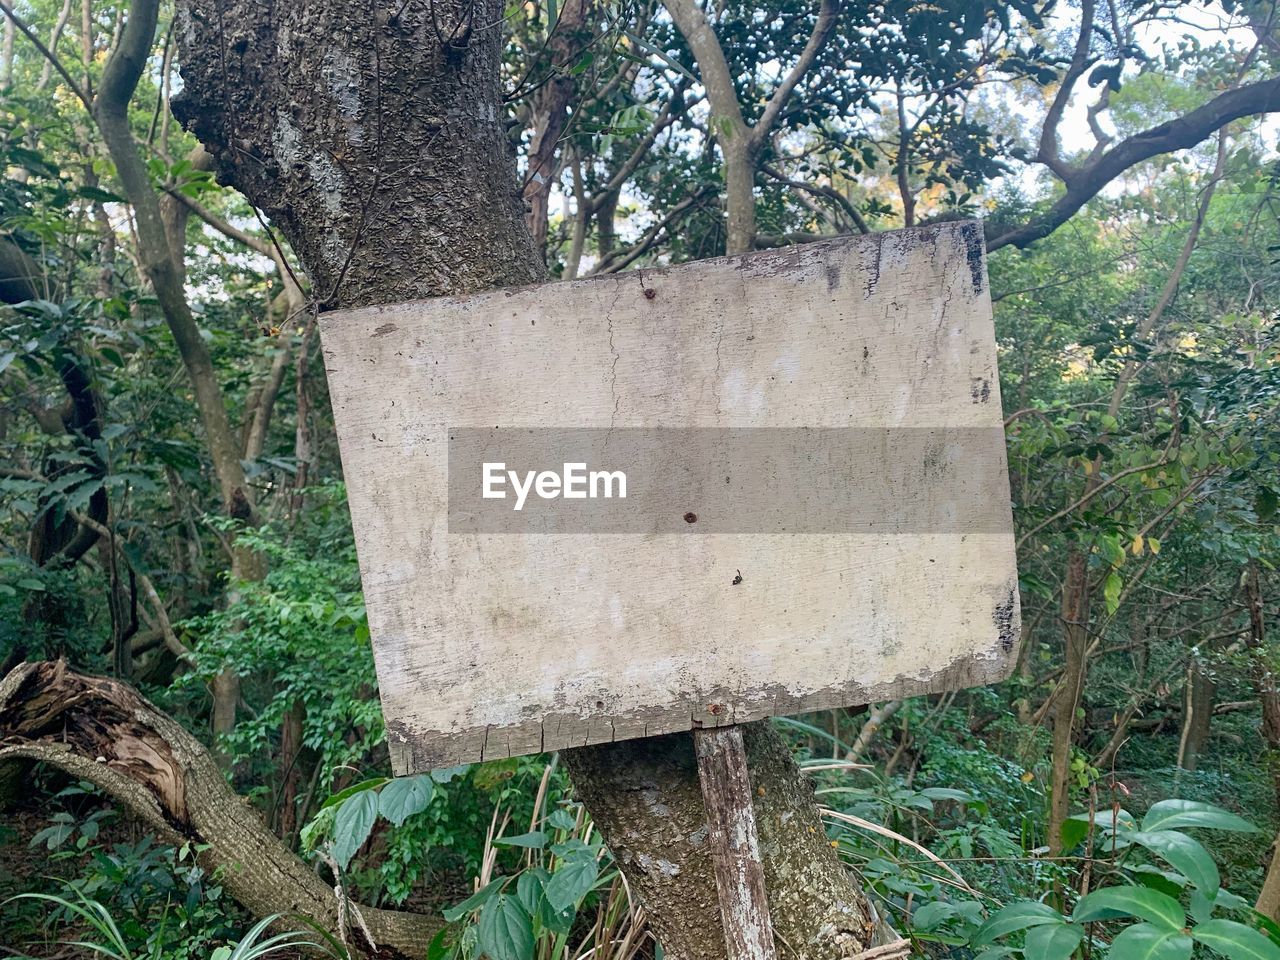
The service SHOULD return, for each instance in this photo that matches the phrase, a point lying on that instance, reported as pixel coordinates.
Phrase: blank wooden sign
(816, 514)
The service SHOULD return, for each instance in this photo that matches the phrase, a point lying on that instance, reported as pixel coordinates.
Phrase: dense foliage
(1116, 797)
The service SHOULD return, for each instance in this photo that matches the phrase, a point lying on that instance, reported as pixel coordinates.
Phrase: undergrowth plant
(97, 931)
(550, 893)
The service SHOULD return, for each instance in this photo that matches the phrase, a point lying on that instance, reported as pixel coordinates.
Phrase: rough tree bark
(102, 731)
(375, 142)
(646, 797)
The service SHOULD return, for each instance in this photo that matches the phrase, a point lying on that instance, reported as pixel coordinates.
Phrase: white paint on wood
(492, 645)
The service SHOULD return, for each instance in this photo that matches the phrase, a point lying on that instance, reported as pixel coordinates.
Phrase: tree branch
(823, 190)
(616, 263)
(48, 54)
(1048, 153)
(225, 228)
(1178, 134)
(822, 27)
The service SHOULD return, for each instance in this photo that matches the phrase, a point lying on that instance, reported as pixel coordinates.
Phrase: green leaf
(505, 931)
(932, 914)
(1235, 941)
(946, 793)
(1176, 814)
(351, 791)
(1014, 917)
(573, 849)
(1265, 504)
(1052, 941)
(1142, 941)
(530, 841)
(1074, 830)
(529, 890)
(441, 946)
(562, 819)
(1109, 819)
(1111, 591)
(98, 194)
(1199, 906)
(571, 883)
(654, 51)
(1185, 854)
(1166, 881)
(1111, 902)
(352, 824)
(406, 796)
(477, 899)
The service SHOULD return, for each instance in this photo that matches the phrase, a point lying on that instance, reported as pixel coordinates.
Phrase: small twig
(890, 951)
(49, 55)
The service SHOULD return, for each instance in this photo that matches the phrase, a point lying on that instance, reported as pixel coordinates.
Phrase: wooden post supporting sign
(735, 844)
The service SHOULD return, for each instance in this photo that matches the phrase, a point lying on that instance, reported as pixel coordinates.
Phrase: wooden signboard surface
(494, 644)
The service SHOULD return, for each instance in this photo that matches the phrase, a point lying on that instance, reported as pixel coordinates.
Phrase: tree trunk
(103, 731)
(551, 114)
(292, 760)
(163, 264)
(375, 142)
(1197, 714)
(1264, 677)
(1075, 638)
(1269, 899)
(727, 123)
(645, 796)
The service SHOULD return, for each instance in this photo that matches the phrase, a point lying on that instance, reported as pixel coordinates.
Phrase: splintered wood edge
(418, 751)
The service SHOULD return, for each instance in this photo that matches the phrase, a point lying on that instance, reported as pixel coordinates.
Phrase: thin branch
(1093, 492)
(642, 148)
(48, 54)
(1048, 153)
(823, 190)
(614, 264)
(1178, 134)
(1148, 324)
(822, 27)
(256, 244)
(54, 36)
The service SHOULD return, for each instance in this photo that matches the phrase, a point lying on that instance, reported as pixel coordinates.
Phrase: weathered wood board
(495, 644)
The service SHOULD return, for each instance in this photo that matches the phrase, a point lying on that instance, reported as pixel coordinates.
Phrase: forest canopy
(193, 759)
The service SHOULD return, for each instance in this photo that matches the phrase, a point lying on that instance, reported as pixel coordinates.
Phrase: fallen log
(104, 731)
